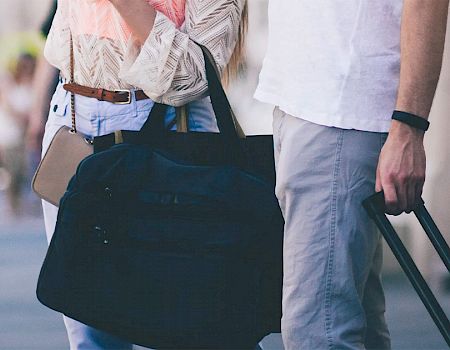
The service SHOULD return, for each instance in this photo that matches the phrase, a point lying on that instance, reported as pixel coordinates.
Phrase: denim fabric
(332, 293)
(96, 118)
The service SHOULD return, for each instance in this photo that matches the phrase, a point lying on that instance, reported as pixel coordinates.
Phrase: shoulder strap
(221, 104)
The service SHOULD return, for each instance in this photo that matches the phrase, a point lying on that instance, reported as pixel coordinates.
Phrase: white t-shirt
(334, 62)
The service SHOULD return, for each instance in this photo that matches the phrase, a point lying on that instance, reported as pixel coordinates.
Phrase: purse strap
(72, 80)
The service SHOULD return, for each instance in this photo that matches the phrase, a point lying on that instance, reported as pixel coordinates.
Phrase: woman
(141, 52)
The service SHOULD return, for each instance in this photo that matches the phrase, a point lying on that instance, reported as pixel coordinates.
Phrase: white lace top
(169, 66)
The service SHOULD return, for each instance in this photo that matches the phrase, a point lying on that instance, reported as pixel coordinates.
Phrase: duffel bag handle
(376, 209)
(226, 121)
(225, 116)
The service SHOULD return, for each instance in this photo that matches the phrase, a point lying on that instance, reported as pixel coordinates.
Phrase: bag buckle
(128, 101)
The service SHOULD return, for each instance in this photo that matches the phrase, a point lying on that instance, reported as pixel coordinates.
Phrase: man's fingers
(402, 198)
(378, 187)
(411, 197)
(419, 190)
(391, 199)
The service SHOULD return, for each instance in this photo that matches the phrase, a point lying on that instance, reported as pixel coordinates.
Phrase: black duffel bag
(171, 240)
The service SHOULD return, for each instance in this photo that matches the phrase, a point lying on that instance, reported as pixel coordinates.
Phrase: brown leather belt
(120, 97)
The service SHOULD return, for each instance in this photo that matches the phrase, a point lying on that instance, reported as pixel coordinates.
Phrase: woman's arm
(169, 65)
(138, 15)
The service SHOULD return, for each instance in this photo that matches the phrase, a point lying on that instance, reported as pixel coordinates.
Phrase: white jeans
(332, 293)
(96, 118)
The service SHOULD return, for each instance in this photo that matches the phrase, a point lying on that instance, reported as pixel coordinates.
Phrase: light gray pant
(332, 293)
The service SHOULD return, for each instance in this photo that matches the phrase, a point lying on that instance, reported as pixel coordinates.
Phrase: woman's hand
(138, 15)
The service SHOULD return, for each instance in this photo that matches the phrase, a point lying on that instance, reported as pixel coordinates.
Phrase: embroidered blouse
(169, 66)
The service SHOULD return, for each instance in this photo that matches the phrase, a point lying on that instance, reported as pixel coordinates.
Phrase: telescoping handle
(433, 234)
(375, 207)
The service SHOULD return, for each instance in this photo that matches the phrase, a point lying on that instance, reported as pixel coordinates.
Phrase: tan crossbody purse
(67, 149)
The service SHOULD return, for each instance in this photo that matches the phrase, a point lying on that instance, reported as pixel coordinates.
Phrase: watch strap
(412, 120)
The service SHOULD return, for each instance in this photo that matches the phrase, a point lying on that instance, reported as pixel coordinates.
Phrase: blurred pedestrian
(342, 75)
(44, 84)
(15, 104)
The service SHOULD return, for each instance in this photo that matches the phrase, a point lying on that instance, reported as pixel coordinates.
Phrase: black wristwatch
(412, 120)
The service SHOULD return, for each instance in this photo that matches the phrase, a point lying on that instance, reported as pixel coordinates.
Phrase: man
(335, 71)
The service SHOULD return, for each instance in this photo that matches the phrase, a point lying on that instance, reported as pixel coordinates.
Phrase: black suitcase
(375, 207)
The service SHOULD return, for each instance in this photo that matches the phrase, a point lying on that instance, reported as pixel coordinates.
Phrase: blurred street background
(27, 325)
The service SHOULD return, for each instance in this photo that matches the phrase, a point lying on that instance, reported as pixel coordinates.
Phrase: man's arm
(401, 168)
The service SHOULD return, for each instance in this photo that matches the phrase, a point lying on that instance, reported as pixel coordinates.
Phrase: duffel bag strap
(182, 114)
(217, 92)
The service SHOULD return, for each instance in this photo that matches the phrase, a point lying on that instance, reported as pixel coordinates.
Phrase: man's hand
(401, 168)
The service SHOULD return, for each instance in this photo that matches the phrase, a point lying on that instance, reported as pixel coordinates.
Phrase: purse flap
(59, 164)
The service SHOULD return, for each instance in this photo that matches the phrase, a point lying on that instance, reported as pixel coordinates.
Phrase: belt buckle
(127, 102)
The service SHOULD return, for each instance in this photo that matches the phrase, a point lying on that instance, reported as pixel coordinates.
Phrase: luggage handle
(376, 209)
(375, 205)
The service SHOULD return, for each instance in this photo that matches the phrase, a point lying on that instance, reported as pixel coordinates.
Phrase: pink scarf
(99, 20)
(174, 9)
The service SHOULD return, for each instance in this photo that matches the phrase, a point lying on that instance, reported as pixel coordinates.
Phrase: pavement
(27, 325)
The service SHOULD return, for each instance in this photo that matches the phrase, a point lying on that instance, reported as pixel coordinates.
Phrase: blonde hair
(237, 59)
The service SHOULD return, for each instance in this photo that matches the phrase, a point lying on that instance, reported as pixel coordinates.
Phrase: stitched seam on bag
(332, 234)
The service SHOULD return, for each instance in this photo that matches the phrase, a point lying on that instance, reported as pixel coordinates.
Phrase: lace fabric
(169, 66)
